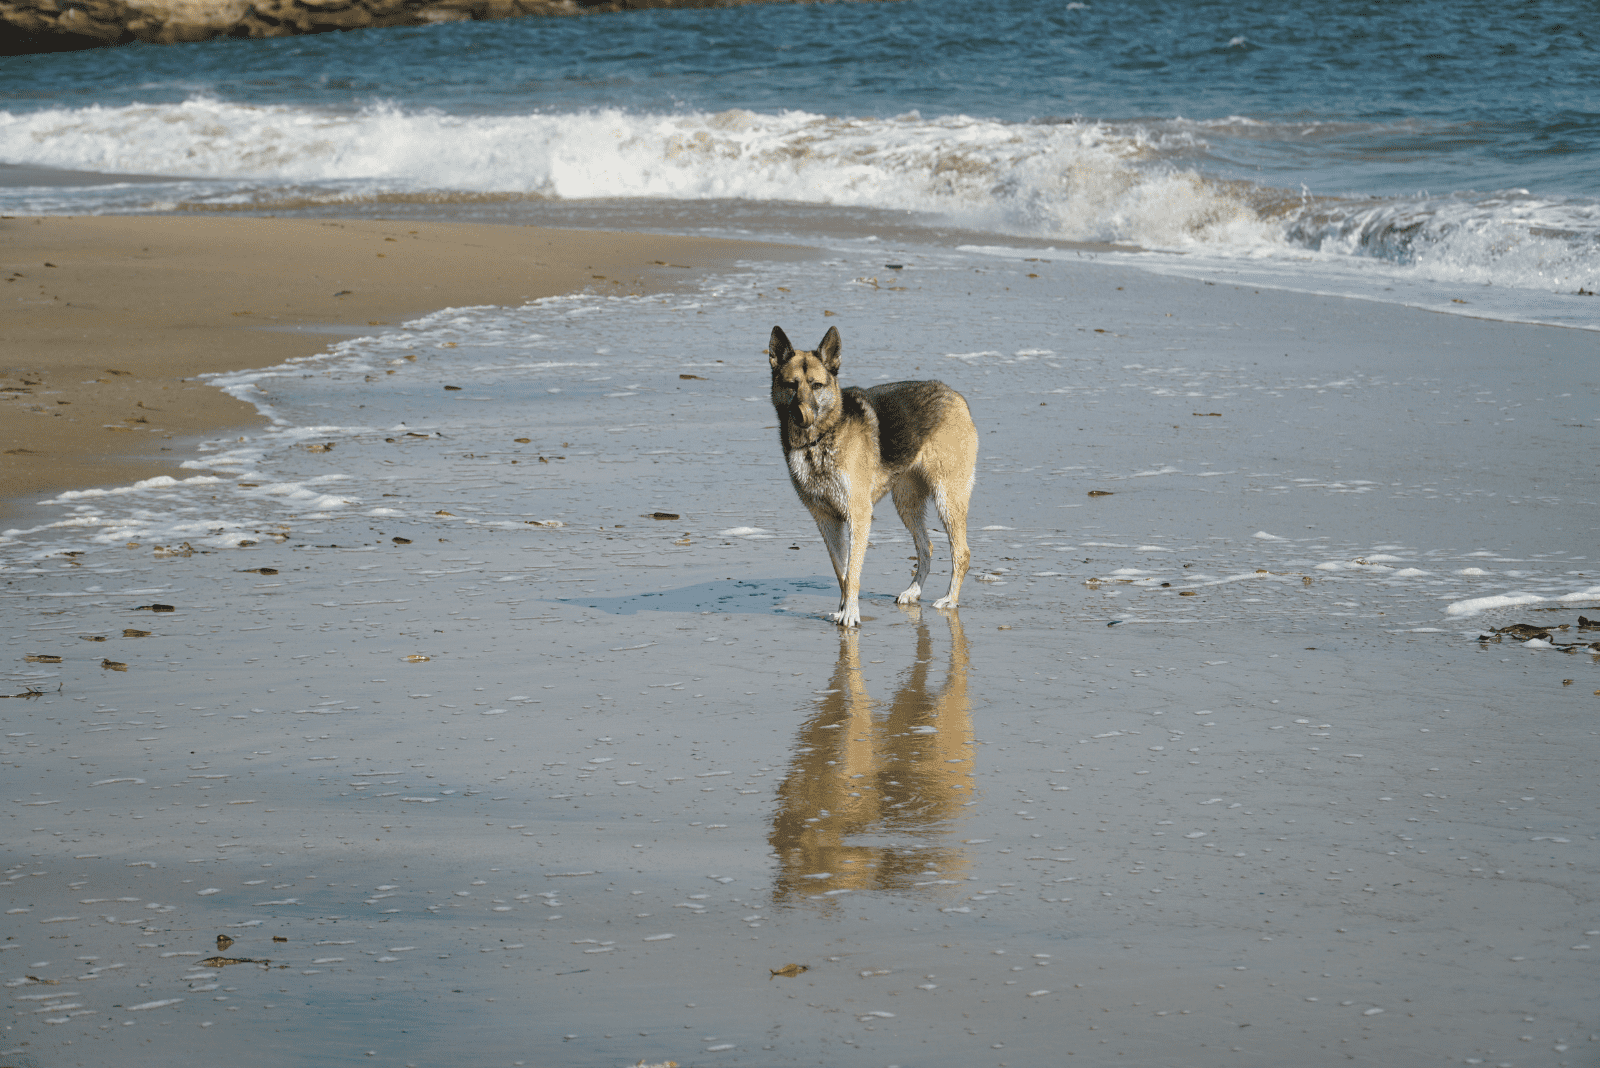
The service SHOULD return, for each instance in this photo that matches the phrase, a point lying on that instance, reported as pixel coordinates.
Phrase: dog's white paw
(911, 595)
(945, 602)
(848, 616)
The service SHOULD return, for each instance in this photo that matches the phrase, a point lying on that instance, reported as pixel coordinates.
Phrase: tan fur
(853, 751)
(836, 442)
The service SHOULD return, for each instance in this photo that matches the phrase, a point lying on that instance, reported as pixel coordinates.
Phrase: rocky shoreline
(28, 26)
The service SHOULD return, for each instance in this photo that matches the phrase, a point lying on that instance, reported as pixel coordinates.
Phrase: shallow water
(1085, 814)
(417, 429)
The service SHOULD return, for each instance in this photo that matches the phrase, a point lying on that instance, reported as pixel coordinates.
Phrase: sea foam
(1137, 183)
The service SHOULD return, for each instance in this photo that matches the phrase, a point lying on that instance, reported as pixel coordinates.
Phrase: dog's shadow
(734, 596)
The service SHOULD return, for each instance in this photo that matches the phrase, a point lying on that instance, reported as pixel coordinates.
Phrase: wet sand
(1209, 769)
(110, 318)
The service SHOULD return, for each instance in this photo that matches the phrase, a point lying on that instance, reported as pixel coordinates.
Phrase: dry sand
(109, 319)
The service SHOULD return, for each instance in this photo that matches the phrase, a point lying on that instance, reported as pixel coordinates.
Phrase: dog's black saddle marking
(907, 413)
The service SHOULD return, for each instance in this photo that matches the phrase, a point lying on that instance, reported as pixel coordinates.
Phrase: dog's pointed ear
(779, 349)
(828, 350)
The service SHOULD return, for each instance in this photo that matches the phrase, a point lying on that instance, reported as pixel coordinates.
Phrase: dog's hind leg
(911, 501)
(952, 504)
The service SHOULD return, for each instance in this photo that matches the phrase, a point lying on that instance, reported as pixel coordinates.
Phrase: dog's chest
(818, 477)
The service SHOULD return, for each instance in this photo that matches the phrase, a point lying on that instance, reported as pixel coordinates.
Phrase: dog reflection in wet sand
(847, 447)
(873, 789)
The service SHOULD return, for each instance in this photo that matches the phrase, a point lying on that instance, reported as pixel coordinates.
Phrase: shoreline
(114, 317)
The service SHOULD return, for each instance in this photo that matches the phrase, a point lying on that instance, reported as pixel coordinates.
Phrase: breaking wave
(1156, 184)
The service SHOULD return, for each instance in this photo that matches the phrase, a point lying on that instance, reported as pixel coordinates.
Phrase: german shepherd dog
(846, 448)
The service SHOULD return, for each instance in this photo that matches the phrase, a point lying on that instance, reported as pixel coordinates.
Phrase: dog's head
(805, 384)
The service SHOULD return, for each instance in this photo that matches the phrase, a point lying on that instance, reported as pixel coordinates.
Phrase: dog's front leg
(849, 613)
(836, 536)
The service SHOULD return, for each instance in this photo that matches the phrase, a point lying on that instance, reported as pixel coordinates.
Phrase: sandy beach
(416, 654)
(480, 706)
(109, 319)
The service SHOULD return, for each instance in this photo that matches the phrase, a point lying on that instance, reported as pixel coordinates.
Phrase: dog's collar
(806, 444)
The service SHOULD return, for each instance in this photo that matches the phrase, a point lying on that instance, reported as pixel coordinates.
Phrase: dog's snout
(805, 404)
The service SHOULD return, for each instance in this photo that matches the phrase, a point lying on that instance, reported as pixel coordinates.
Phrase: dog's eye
(818, 385)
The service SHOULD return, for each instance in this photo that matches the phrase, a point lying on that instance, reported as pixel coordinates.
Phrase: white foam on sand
(1474, 605)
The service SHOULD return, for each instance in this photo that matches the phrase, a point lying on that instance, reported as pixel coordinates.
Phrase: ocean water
(1442, 155)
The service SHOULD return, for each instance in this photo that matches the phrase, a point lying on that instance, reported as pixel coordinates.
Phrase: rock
(1525, 631)
(63, 25)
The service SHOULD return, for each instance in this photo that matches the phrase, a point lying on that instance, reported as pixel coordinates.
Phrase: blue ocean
(1398, 151)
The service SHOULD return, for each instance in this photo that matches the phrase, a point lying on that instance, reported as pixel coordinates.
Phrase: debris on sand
(1524, 631)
